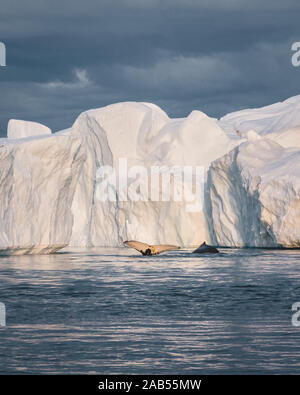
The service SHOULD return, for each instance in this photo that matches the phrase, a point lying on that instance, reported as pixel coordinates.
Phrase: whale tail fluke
(147, 249)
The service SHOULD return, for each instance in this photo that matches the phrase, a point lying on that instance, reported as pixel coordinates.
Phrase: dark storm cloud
(64, 57)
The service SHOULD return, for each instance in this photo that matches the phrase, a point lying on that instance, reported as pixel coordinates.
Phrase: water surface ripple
(112, 311)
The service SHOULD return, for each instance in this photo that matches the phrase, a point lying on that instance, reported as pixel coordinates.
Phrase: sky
(64, 57)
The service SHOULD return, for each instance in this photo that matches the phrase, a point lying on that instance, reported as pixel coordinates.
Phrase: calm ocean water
(112, 311)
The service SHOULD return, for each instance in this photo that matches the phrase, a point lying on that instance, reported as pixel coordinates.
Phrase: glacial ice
(144, 135)
(251, 168)
(279, 122)
(38, 179)
(254, 196)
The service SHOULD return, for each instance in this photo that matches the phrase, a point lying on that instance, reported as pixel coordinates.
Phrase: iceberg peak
(18, 129)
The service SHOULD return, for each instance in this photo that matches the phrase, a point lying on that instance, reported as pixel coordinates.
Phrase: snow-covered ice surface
(251, 161)
(279, 122)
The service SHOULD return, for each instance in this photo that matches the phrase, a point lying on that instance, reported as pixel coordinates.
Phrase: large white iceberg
(251, 179)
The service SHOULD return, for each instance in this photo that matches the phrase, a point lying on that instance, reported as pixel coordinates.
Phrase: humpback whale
(205, 248)
(147, 249)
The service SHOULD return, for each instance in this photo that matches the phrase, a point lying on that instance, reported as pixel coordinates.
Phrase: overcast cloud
(64, 57)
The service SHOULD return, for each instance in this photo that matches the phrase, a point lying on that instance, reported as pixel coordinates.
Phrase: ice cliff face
(50, 190)
(254, 196)
(38, 178)
(254, 191)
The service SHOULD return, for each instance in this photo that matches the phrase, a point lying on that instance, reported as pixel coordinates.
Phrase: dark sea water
(112, 311)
